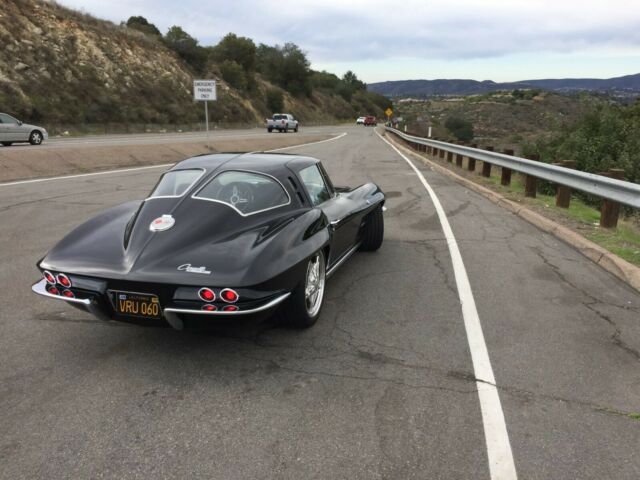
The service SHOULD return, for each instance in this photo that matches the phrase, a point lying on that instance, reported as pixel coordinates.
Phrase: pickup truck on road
(283, 122)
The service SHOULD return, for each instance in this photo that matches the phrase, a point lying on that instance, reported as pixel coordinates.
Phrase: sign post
(388, 112)
(205, 91)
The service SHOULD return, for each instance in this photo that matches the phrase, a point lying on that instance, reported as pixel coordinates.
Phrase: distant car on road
(283, 122)
(13, 130)
(360, 120)
(370, 121)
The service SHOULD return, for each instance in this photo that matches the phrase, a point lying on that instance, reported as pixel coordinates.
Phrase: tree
(459, 128)
(186, 47)
(275, 100)
(324, 80)
(233, 74)
(286, 67)
(142, 24)
(351, 80)
(240, 50)
(295, 70)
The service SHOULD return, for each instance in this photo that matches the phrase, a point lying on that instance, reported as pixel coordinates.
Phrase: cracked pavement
(381, 387)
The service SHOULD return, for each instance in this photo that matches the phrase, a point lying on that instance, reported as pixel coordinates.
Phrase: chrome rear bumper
(171, 315)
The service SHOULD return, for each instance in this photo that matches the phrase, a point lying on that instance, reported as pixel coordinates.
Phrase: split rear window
(176, 182)
(246, 192)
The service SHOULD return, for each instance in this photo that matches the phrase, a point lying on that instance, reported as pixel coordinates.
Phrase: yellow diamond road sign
(389, 112)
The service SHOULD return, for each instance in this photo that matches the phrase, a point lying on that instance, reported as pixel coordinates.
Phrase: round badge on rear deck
(165, 222)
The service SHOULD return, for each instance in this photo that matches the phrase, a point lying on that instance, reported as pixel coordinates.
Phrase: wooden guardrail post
(486, 166)
(531, 182)
(449, 157)
(505, 175)
(441, 151)
(471, 166)
(563, 193)
(610, 210)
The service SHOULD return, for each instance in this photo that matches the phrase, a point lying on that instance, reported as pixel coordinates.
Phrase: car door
(13, 130)
(9, 128)
(337, 208)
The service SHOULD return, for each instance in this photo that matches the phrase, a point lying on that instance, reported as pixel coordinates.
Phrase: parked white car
(13, 130)
(360, 121)
(283, 122)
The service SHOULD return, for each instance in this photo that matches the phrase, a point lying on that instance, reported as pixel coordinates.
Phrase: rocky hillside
(62, 68)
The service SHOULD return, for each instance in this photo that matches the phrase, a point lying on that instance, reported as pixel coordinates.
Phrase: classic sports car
(219, 235)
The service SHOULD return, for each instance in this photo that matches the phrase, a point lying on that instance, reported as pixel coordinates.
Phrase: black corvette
(219, 235)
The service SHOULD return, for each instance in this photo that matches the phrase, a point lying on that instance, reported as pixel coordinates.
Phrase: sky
(501, 40)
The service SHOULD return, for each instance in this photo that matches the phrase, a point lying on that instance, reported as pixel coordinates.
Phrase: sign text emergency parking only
(204, 90)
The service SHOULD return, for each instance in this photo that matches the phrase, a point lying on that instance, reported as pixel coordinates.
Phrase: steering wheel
(238, 194)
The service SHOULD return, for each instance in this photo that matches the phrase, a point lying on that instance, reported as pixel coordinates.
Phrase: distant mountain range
(627, 85)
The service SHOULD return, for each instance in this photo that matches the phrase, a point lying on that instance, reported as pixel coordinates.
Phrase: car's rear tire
(305, 303)
(286, 130)
(269, 130)
(35, 138)
(373, 232)
(296, 129)
(7, 144)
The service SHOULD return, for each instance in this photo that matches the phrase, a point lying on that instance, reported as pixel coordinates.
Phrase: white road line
(66, 177)
(501, 464)
(307, 144)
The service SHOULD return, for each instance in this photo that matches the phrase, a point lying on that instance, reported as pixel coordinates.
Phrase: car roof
(270, 163)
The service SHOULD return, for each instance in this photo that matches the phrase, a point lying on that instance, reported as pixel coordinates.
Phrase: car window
(4, 118)
(315, 184)
(279, 117)
(176, 182)
(245, 192)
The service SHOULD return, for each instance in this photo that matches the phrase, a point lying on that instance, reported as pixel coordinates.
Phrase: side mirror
(19, 122)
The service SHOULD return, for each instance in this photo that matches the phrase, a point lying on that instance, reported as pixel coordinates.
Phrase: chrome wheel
(314, 284)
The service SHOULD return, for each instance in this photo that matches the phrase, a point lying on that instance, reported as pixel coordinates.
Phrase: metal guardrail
(627, 193)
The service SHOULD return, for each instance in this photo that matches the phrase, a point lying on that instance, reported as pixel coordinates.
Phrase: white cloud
(374, 30)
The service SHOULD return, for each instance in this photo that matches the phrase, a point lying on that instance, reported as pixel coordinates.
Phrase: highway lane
(161, 138)
(381, 387)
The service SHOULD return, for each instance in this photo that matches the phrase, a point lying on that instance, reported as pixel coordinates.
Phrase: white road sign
(204, 90)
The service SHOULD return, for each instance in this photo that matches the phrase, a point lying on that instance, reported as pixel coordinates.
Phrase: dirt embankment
(33, 162)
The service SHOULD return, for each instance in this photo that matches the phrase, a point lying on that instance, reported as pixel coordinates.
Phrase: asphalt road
(382, 387)
(54, 143)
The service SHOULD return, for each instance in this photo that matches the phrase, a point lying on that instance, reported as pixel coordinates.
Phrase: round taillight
(68, 294)
(49, 277)
(230, 308)
(209, 308)
(53, 290)
(206, 294)
(229, 296)
(63, 280)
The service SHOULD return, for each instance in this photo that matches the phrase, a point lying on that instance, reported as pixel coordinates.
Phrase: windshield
(176, 182)
(245, 192)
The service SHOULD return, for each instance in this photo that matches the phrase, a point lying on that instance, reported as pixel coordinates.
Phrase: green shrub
(233, 74)
(275, 100)
(459, 128)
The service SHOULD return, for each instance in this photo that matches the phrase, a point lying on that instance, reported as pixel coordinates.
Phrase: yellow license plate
(137, 305)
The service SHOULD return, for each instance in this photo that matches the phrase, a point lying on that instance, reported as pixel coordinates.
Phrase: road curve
(382, 387)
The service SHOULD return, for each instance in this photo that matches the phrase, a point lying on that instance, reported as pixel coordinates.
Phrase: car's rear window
(245, 192)
(279, 117)
(176, 182)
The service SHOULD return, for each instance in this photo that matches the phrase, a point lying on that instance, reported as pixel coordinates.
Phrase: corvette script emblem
(165, 222)
(188, 268)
